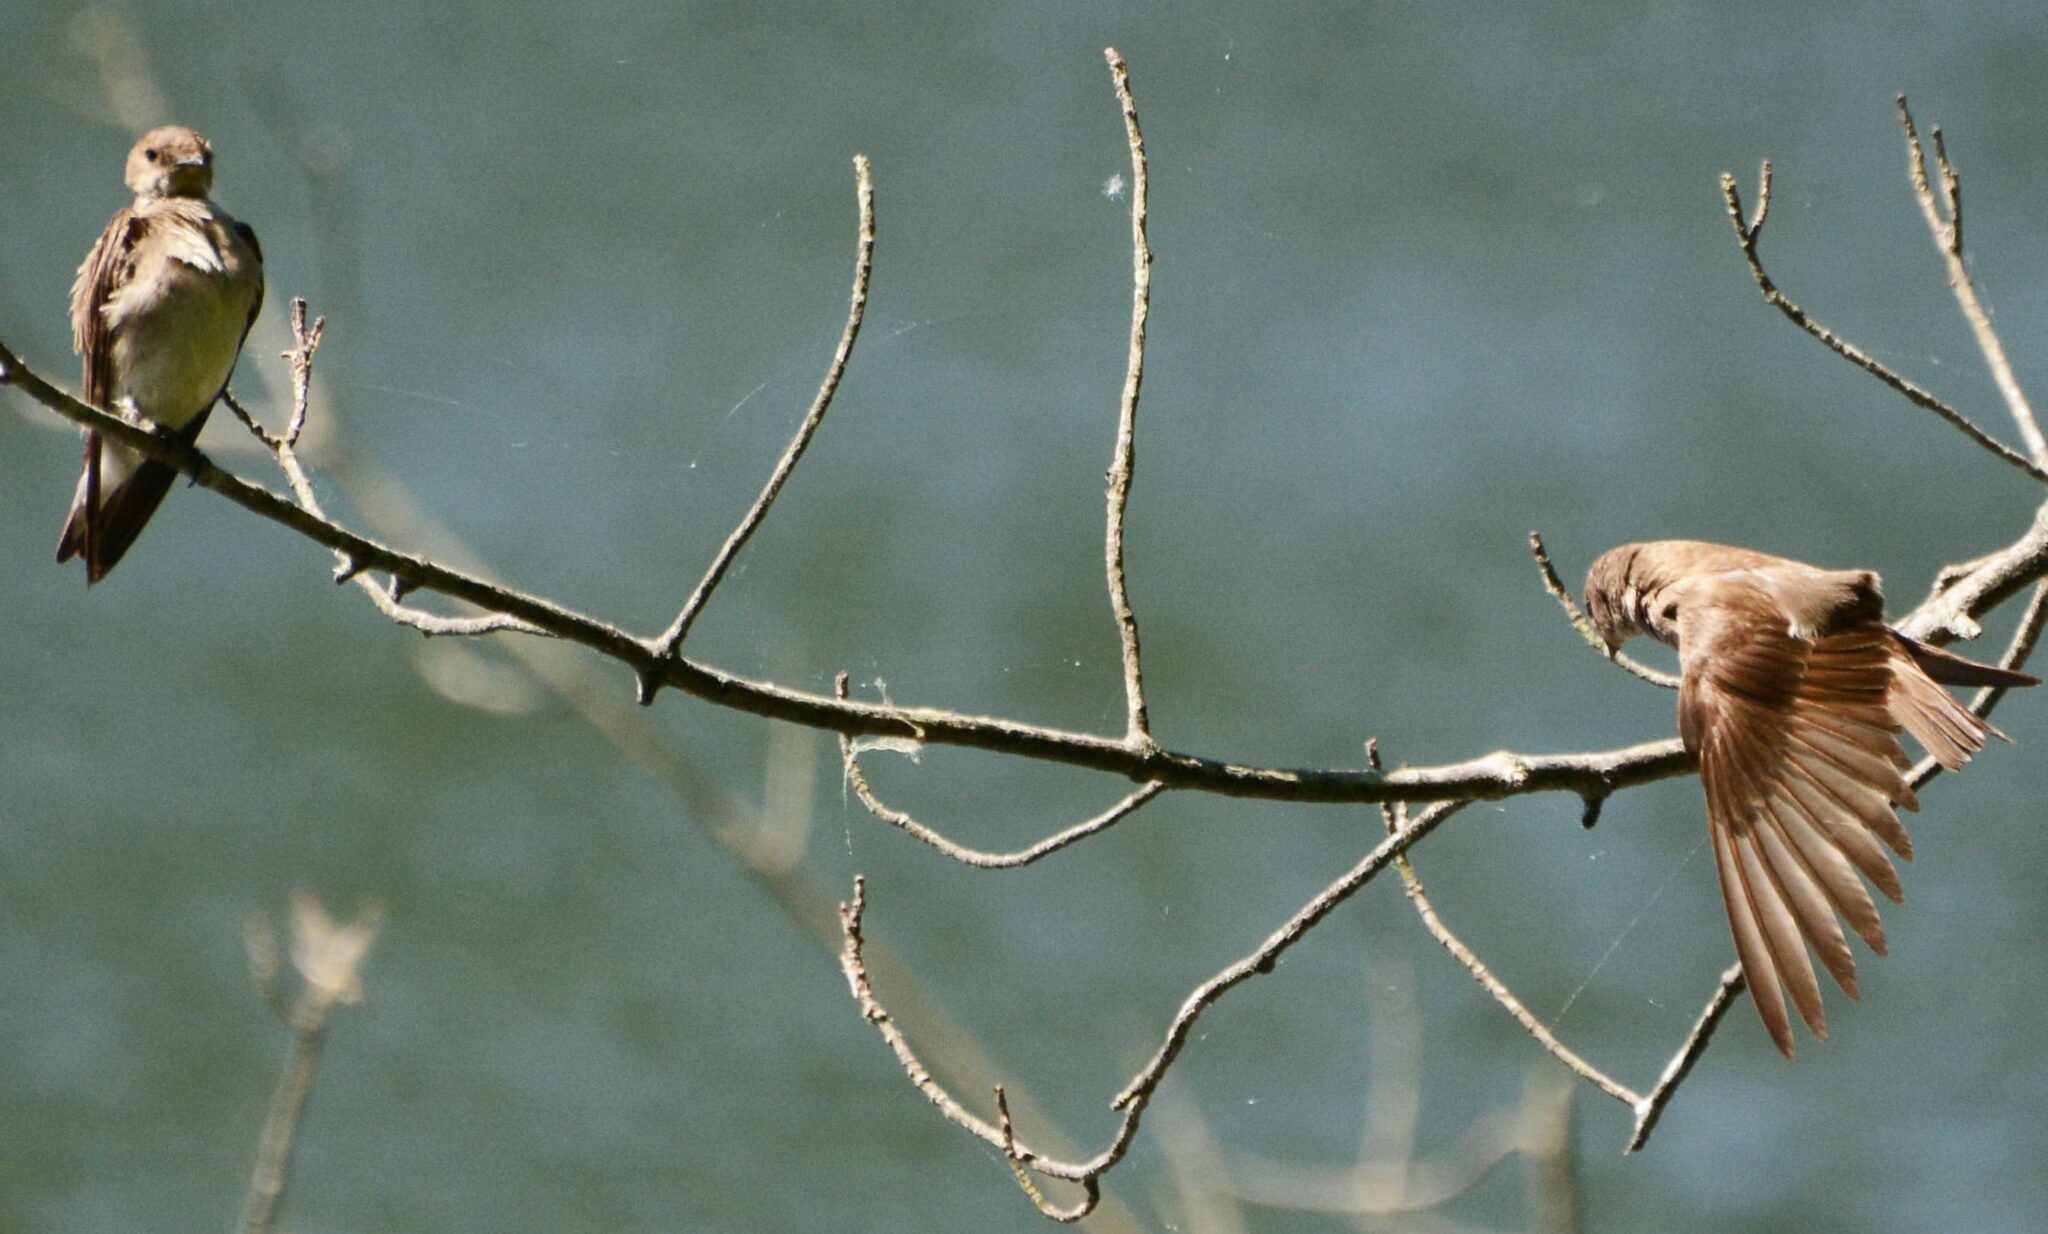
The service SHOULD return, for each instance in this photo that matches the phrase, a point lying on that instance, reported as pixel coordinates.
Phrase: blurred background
(1424, 282)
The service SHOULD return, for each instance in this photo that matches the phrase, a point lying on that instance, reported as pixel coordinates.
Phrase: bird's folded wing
(109, 265)
(1801, 763)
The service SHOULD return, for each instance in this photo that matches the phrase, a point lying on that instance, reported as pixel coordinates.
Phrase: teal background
(1428, 277)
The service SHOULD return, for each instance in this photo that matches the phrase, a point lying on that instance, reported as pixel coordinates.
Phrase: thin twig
(853, 964)
(1018, 1170)
(1747, 234)
(271, 441)
(983, 858)
(1262, 959)
(1394, 817)
(863, 265)
(1137, 1093)
(1138, 730)
(305, 341)
(1651, 1108)
(1574, 614)
(1948, 237)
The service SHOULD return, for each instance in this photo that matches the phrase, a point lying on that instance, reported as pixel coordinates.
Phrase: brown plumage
(1792, 694)
(159, 312)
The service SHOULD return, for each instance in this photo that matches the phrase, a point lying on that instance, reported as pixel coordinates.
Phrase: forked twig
(1647, 1107)
(1137, 1093)
(1091, 1187)
(1749, 232)
(1945, 223)
(388, 598)
(985, 859)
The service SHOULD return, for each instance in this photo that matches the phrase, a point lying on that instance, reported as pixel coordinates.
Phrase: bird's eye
(151, 154)
(1671, 611)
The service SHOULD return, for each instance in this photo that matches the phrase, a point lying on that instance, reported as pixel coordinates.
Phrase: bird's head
(172, 161)
(1612, 596)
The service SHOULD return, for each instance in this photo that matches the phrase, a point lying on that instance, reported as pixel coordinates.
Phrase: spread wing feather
(1802, 769)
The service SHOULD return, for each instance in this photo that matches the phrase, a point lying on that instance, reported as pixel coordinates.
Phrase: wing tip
(1781, 1036)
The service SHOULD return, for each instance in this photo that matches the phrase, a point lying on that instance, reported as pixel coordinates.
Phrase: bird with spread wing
(1792, 694)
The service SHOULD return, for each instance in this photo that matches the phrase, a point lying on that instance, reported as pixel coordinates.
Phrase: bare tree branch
(1503, 774)
(1748, 233)
(863, 265)
(387, 597)
(1136, 1094)
(1950, 611)
(1948, 237)
(1138, 731)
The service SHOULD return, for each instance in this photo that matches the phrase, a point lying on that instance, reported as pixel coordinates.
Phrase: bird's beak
(197, 160)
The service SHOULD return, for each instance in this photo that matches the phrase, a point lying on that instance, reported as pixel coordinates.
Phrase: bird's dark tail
(122, 516)
(124, 509)
(1951, 669)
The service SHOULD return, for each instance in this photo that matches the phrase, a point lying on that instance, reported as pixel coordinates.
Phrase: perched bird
(159, 312)
(1791, 697)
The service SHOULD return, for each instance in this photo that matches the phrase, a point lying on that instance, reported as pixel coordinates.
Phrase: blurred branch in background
(1391, 1186)
(328, 959)
(1962, 594)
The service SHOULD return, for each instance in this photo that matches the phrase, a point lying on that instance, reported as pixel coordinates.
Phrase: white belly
(177, 325)
(172, 355)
